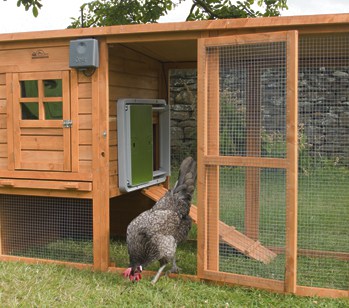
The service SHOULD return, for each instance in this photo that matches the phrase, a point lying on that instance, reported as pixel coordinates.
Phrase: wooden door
(233, 91)
(41, 121)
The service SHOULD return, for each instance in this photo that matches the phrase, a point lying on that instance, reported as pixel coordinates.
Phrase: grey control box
(83, 53)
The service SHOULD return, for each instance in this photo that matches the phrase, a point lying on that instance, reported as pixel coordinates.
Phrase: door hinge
(67, 123)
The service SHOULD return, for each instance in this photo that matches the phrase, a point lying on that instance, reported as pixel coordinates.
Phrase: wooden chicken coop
(85, 129)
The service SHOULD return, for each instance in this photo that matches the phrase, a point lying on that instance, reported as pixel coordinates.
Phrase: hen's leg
(175, 268)
(157, 276)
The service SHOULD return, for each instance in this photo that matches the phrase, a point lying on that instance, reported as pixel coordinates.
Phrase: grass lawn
(23, 285)
(323, 226)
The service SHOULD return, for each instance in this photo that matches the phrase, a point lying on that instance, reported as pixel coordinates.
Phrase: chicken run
(92, 136)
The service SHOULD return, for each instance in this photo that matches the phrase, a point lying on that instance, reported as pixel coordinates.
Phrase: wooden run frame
(209, 161)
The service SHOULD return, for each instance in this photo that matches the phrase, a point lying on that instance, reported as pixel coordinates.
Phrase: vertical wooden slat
(292, 157)
(253, 149)
(66, 116)
(201, 150)
(212, 59)
(10, 119)
(74, 109)
(100, 145)
(16, 118)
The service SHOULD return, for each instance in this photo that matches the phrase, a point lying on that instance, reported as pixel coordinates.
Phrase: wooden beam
(212, 172)
(100, 148)
(182, 29)
(292, 157)
(44, 261)
(242, 161)
(201, 152)
(253, 149)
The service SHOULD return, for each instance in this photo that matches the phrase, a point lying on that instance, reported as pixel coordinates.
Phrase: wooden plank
(122, 92)
(249, 281)
(85, 121)
(253, 149)
(14, 119)
(315, 253)
(2, 91)
(212, 172)
(183, 30)
(85, 104)
(85, 91)
(134, 80)
(40, 131)
(321, 292)
(228, 234)
(241, 161)
(74, 130)
(201, 152)
(44, 261)
(42, 175)
(100, 112)
(85, 137)
(2, 79)
(292, 156)
(68, 131)
(49, 143)
(2, 106)
(40, 184)
(3, 150)
(3, 135)
(10, 130)
(85, 152)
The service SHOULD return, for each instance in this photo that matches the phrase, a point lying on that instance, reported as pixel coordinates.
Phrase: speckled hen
(155, 234)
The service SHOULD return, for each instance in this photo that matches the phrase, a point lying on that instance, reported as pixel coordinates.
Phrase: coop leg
(157, 276)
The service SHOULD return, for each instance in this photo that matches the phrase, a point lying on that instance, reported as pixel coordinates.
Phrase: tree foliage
(119, 12)
(35, 5)
(99, 13)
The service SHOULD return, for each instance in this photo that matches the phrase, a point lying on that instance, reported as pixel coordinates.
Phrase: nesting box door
(41, 121)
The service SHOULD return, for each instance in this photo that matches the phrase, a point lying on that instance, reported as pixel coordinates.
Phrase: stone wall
(323, 112)
(183, 97)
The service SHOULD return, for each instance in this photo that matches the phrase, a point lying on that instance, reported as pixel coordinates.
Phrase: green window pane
(53, 88)
(30, 111)
(29, 88)
(53, 111)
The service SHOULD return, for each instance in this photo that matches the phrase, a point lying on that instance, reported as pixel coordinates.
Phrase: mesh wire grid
(323, 200)
(46, 228)
(252, 123)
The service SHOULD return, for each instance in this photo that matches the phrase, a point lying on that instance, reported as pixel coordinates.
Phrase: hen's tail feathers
(185, 186)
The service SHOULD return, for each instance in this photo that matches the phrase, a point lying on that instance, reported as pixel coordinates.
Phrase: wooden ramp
(228, 234)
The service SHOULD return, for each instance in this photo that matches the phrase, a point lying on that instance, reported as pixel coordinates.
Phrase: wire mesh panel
(246, 157)
(323, 232)
(246, 256)
(46, 228)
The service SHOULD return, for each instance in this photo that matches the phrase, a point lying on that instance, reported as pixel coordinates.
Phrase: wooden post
(212, 175)
(201, 150)
(292, 157)
(253, 149)
(100, 142)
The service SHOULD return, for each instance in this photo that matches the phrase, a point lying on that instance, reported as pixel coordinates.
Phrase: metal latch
(67, 123)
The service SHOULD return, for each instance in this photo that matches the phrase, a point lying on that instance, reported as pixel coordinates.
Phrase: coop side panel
(131, 75)
(3, 125)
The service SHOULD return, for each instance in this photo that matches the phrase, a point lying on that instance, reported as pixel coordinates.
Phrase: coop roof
(177, 42)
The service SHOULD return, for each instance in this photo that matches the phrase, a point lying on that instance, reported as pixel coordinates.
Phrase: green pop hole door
(141, 143)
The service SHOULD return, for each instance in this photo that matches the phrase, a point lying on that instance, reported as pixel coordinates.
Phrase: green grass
(323, 225)
(23, 285)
